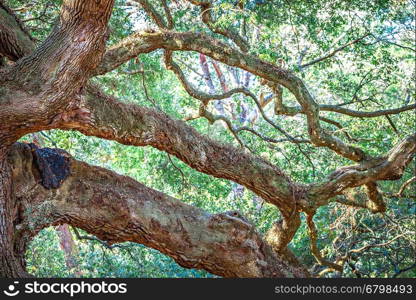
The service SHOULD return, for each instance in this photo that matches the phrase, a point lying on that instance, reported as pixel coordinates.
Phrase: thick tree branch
(205, 98)
(116, 209)
(15, 42)
(147, 42)
(38, 86)
(65, 66)
(43, 83)
(140, 126)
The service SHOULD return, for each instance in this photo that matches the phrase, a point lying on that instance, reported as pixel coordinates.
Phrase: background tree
(308, 144)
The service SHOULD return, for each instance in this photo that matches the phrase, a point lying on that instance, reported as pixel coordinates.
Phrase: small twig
(404, 186)
(184, 182)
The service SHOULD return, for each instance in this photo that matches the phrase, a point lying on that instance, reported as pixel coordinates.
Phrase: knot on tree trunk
(52, 164)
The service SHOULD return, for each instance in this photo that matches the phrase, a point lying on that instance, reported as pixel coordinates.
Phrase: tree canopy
(182, 138)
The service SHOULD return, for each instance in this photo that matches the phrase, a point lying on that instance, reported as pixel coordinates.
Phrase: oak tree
(254, 68)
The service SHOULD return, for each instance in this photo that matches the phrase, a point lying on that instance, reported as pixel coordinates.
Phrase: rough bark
(37, 88)
(48, 88)
(144, 42)
(140, 126)
(116, 208)
(42, 84)
(134, 125)
(11, 261)
(15, 42)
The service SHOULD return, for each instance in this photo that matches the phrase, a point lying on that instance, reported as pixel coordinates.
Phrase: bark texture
(47, 86)
(116, 209)
(11, 258)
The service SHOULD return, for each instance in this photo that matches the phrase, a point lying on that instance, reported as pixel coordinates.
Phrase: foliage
(376, 72)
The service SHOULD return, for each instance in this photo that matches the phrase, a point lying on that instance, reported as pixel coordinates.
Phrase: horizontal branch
(366, 114)
(205, 98)
(206, 11)
(117, 209)
(144, 42)
(152, 12)
(294, 110)
(105, 117)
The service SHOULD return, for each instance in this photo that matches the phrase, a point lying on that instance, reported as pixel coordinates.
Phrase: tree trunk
(47, 88)
(68, 245)
(11, 255)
